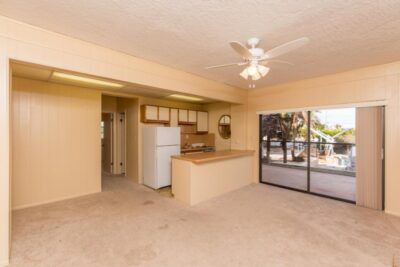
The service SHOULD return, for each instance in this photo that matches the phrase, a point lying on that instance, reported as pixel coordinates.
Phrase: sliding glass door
(310, 151)
(284, 149)
(333, 153)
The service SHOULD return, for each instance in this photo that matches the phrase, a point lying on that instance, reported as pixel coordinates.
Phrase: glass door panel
(284, 149)
(333, 153)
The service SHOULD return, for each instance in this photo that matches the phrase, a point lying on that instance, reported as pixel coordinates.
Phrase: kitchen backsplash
(207, 139)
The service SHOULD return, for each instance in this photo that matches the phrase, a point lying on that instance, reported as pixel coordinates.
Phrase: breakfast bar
(198, 177)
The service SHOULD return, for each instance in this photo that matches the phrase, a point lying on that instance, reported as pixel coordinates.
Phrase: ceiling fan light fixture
(256, 76)
(244, 74)
(252, 70)
(263, 70)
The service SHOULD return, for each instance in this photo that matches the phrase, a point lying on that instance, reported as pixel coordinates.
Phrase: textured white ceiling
(189, 35)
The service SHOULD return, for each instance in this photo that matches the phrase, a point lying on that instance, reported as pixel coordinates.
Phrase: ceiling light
(85, 80)
(244, 74)
(256, 76)
(252, 70)
(185, 97)
(263, 70)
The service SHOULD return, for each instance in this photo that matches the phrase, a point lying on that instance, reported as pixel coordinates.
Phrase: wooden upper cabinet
(202, 121)
(163, 114)
(149, 113)
(187, 116)
(183, 116)
(154, 114)
(192, 116)
(173, 117)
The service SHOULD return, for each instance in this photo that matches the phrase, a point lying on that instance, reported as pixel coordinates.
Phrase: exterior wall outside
(56, 142)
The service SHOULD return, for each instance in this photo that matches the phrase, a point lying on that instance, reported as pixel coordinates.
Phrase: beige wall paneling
(376, 83)
(108, 104)
(369, 141)
(56, 142)
(174, 117)
(215, 111)
(239, 127)
(5, 159)
(193, 183)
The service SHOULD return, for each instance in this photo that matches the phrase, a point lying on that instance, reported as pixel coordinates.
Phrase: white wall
(56, 142)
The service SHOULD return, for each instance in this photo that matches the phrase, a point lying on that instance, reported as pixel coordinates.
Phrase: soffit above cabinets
(190, 35)
(43, 73)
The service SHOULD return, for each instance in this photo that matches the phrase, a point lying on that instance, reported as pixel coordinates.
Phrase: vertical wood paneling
(369, 134)
(56, 142)
(5, 220)
(215, 111)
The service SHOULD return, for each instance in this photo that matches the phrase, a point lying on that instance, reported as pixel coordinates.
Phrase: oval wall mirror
(224, 126)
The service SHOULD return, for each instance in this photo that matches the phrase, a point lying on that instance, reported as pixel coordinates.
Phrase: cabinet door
(192, 116)
(163, 114)
(202, 121)
(151, 113)
(183, 115)
(174, 117)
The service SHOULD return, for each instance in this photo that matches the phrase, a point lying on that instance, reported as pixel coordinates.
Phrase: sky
(343, 116)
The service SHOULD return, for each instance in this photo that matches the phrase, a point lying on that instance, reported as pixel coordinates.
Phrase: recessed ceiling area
(190, 35)
(48, 74)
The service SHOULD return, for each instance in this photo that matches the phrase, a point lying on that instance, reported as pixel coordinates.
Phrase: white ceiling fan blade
(285, 48)
(268, 61)
(241, 50)
(227, 65)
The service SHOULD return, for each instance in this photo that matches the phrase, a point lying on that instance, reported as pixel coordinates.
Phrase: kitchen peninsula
(198, 177)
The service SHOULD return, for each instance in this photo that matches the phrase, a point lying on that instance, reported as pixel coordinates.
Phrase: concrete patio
(340, 186)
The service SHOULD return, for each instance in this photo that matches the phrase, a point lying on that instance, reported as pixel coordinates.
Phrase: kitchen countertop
(214, 156)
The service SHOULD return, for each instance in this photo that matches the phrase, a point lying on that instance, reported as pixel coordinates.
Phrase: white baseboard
(53, 200)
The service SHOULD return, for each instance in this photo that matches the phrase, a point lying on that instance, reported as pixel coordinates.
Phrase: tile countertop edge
(214, 156)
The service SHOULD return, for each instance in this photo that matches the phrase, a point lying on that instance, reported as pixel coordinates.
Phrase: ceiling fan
(255, 58)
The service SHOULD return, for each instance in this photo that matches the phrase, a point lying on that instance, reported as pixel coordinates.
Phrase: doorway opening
(119, 126)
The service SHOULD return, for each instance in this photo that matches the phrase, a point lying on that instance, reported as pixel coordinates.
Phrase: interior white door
(164, 163)
(122, 143)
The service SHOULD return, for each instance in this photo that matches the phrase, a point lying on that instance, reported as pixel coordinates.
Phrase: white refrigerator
(159, 144)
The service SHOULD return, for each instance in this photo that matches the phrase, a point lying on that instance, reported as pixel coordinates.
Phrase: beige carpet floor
(259, 225)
